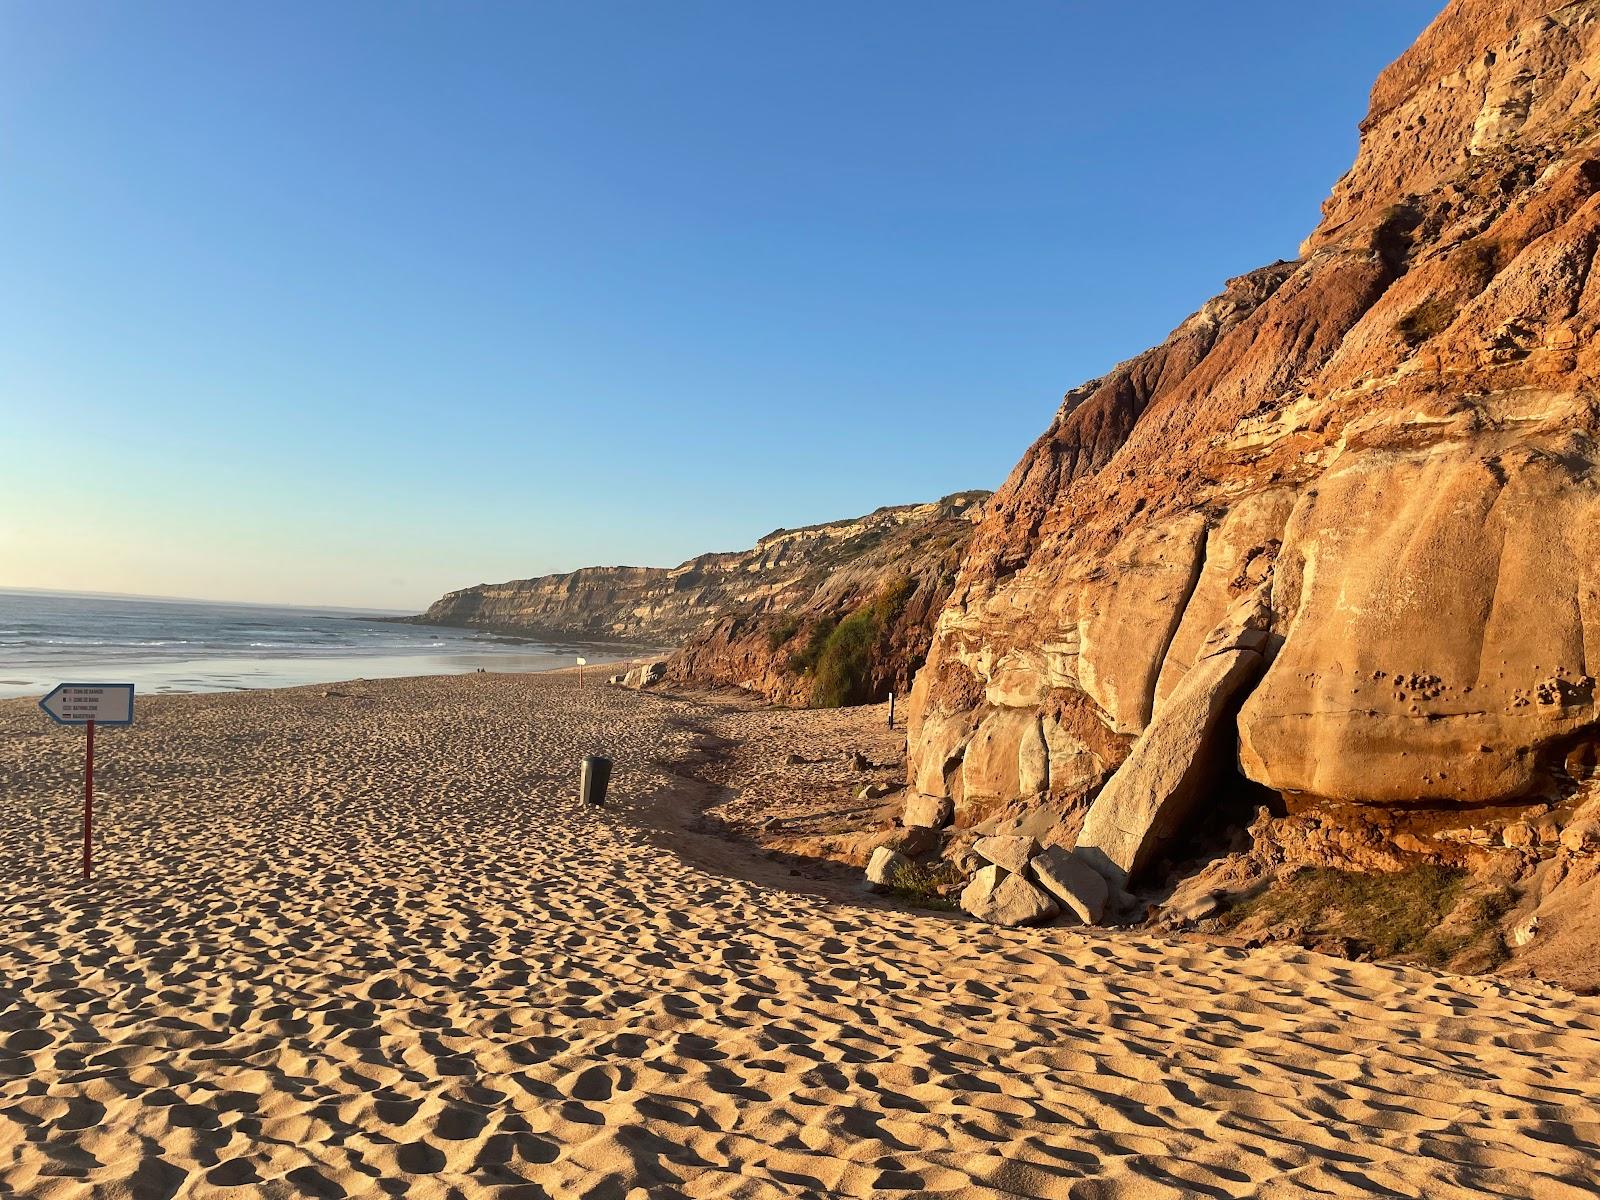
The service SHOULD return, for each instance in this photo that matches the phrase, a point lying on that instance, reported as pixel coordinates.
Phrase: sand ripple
(366, 944)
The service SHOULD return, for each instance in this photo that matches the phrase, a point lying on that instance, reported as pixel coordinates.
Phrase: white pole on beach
(582, 662)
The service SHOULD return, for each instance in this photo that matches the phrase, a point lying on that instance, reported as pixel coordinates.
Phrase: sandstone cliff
(760, 618)
(1389, 443)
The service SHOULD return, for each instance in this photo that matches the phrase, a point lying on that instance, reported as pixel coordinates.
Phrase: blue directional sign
(81, 703)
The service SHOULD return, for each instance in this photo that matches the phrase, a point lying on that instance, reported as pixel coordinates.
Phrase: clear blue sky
(354, 303)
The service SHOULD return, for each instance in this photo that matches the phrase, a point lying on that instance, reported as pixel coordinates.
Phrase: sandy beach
(360, 940)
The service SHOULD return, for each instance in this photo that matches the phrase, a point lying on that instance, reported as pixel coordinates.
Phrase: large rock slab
(1445, 627)
(993, 765)
(1009, 850)
(1001, 898)
(1145, 803)
(1078, 887)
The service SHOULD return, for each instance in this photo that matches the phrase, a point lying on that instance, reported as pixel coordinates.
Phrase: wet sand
(360, 940)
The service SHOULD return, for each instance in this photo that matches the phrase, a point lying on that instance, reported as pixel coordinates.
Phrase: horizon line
(39, 591)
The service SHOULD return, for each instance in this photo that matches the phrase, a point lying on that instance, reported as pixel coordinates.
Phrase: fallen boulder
(1002, 898)
(930, 812)
(911, 840)
(1196, 906)
(646, 674)
(1081, 889)
(1144, 804)
(885, 864)
(1009, 850)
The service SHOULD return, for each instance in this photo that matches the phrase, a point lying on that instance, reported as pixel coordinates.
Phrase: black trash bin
(596, 774)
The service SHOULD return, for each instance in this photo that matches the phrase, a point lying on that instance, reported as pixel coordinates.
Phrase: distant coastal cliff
(762, 618)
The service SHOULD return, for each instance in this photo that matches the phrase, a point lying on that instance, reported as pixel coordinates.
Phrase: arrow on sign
(90, 703)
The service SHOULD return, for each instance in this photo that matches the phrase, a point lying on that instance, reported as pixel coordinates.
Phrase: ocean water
(48, 638)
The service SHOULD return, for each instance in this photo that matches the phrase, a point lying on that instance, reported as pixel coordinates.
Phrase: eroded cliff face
(1391, 440)
(741, 617)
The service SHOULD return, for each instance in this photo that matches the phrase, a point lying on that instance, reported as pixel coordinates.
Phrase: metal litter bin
(592, 780)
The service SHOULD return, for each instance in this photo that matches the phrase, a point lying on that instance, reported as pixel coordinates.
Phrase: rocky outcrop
(1392, 436)
(744, 618)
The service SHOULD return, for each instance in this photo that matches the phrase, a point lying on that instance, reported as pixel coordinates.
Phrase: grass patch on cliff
(782, 631)
(1475, 261)
(926, 887)
(842, 669)
(1426, 319)
(805, 658)
(1478, 259)
(1425, 913)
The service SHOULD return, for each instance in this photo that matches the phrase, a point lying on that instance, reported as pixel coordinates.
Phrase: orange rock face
(1394, 433)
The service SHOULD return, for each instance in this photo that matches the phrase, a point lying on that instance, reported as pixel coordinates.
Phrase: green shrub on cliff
(842, 665)
(841, 672)
(782, 631)
(803, 659)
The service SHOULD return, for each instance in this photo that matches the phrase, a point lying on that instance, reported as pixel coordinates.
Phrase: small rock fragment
(1523, 932)
(1581, 837)
(883, 866)
(1518, 835)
